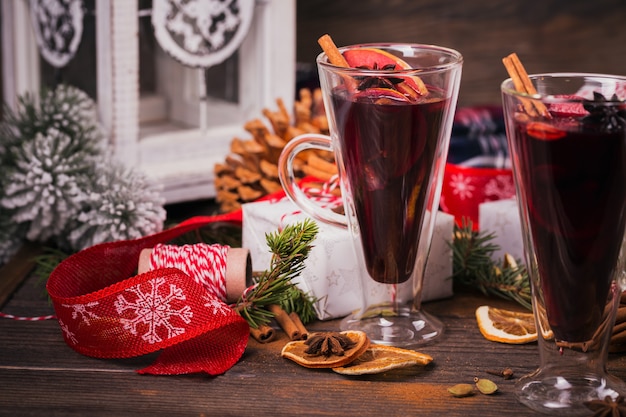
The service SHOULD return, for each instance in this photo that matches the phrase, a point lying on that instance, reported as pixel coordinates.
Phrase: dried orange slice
(297, 351)
(506, 326)
(378, 58)
(380, 358)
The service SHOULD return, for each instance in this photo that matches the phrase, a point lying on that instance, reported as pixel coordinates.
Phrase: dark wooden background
(548, 35)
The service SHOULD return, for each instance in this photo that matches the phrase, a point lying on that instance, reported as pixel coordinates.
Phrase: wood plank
(558, 35)
(36, 364)
(41, 375)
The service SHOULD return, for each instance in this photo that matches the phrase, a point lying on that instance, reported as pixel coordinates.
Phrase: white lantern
(177, 132)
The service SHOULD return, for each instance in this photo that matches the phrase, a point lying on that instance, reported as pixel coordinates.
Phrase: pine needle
(473, 266)
(290, 248)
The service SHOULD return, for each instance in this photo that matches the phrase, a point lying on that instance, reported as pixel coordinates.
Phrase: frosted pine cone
(121, 205)
(45, 186)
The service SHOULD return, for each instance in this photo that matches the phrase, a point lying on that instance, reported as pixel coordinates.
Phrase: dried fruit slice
(374, 58)
(296, 351)
(381, 95)
(506, 326)
(569, 109)
(380, 358)
(544, 131)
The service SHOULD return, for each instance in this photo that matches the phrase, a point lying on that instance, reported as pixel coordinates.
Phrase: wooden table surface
(41, 376)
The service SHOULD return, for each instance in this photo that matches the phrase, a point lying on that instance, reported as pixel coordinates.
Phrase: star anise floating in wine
(607, 407)
(328, 343)
(607, 118)
(378, 82)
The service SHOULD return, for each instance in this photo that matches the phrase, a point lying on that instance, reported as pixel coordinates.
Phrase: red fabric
(465, 188)
(107, 312)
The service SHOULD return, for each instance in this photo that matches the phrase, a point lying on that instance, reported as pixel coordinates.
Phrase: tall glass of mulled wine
(390, 115)
(568, 150)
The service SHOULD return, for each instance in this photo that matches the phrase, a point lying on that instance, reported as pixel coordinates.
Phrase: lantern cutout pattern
(201, 33)
(58, 27)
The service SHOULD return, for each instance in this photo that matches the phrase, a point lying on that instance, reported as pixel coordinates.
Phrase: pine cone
(250, 170)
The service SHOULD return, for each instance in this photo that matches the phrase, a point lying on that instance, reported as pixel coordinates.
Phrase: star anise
(607, 407)
(328, 343)
(606, 118)
(366, 82)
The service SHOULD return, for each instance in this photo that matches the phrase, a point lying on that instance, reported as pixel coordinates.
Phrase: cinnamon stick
(335, 57)
(331, 51)
(262, 334)
(285, 322)
(523, 84)
(304, 333)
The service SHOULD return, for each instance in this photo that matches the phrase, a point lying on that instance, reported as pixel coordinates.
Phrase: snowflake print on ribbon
(81, 310)
(500, 187)
(462, 186)
(155, 309)
(216, 305)
(68, 334)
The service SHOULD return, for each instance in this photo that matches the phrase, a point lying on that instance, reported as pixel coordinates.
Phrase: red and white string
(23, 318)
(205, 263)
(325, 196)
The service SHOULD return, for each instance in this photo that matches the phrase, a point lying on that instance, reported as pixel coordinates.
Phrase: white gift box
(501, 217)
(331, 270)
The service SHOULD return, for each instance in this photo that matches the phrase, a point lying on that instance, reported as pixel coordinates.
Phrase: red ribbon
(106, 312)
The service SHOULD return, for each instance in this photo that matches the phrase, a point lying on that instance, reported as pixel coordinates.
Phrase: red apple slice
(544, 131)
(377, 58)
(572, 109)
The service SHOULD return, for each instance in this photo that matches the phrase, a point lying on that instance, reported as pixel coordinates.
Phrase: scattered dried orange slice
(297, 351)
(506, 326)
(380, 358)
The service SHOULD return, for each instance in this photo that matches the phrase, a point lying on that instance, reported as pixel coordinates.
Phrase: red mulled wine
(388, 147)
(573, 174)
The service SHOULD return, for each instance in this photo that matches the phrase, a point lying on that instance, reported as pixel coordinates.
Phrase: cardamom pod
(485, 386)
(461, 390)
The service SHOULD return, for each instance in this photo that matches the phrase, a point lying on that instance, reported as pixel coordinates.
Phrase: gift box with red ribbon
(331, 270)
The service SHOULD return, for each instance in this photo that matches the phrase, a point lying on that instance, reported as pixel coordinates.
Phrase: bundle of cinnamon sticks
(250, 170)
(289, 322)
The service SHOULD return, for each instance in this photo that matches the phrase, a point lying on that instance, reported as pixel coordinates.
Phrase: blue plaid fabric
(478, 138)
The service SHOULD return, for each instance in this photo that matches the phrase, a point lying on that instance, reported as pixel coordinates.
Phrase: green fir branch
(47, 262)
(290, 248)
(473, 266)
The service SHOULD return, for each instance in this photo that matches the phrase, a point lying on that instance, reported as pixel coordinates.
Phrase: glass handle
(292, 189)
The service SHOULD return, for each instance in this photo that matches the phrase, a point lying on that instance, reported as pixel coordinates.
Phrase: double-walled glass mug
(568, 152)
(390, 122)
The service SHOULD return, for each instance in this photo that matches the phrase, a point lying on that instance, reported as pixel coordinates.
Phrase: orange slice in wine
(377, 58)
